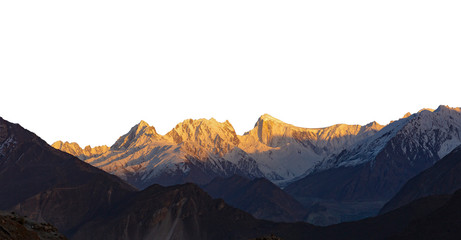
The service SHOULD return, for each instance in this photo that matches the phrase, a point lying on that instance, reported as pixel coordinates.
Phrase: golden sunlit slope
(74, 149)
(198, 150)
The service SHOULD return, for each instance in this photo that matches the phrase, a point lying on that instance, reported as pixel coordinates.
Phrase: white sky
(88, 70)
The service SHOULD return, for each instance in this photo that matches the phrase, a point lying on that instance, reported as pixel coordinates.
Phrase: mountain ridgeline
(84, 202)
(200, 150)
(339, 173)
(358, 181)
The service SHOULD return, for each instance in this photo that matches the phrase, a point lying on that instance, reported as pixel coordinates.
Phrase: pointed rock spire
(139, 134)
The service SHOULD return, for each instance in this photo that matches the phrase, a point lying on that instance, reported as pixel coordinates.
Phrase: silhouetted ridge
(87, 203)
(442, 178)
(47, 184)
(443, 223)
(259, 196)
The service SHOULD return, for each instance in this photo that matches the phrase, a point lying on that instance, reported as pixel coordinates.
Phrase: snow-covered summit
(436, 132)
(140, 134)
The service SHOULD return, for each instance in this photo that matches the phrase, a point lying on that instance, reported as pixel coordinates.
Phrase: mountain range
(358, 181)
(339, 173)
(84, 202)
(200, 150)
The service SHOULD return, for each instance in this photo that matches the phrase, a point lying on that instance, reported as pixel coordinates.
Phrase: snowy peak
(140, 134)
(439, 130)
(209, 134)
(339, 131)
(275, 133)
(85, 153)
(429, 133)
(268, 118)
(376, 168)
(270, 131)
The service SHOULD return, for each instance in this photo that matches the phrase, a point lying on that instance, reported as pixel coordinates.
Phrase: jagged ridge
(83, 154)
(372, 171)
(199, 150)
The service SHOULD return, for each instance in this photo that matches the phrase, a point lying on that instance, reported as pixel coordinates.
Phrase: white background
(87, 71)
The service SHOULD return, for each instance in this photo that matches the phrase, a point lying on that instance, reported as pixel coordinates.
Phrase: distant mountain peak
(374, 125)
(208, 133)
(211, 124)
(139, 134)
(143, 124)
(406, 115)
(74, 149)
(375, 169)
(200, 149)
(442, 108)
(268, 118)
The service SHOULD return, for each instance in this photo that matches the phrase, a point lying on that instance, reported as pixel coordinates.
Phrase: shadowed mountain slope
(389, 224)
(443, 223)
(180, 212)
(260, 197)
(442, 178)
(49, 185)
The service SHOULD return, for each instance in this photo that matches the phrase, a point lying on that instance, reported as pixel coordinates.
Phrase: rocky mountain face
(358, 181)
(48, 185)
(200, 150)
(442, 178)
(259, 197)
(85, 153)
(14, 227)
(285, 152)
